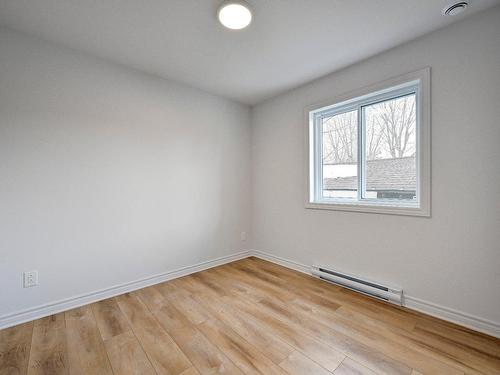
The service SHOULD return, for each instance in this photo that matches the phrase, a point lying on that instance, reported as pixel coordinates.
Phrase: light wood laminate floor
(246, 317)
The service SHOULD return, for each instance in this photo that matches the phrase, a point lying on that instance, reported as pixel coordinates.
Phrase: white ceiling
(289, 42)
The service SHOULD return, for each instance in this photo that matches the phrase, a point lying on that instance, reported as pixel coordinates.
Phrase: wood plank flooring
(246, 317)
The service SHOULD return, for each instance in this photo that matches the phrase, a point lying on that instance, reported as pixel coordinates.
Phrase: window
(370, 150)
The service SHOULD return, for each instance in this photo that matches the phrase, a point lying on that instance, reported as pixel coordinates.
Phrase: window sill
(405, 210)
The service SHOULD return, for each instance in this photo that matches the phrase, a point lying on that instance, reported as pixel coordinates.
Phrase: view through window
(371, 152)
(388, 165)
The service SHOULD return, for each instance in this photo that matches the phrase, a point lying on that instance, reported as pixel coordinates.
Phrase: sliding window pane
(340, 160)
(390, 148)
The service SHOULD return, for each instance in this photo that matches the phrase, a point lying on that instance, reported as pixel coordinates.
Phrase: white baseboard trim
(451, 315)
(282, 261)
(445, 313)
(84, 299)
(467, 320)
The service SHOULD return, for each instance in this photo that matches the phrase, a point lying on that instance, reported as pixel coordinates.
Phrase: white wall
(108, 175)
(453, 258)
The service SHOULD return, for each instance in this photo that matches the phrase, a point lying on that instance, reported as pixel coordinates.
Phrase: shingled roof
(382, 175)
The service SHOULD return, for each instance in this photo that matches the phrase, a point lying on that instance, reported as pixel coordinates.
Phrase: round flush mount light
(234, 14)
(455, 8)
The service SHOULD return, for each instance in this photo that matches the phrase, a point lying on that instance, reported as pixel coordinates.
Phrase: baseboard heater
(373, 289)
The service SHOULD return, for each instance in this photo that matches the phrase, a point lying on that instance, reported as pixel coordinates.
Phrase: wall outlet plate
(243, 236)
(30, 279)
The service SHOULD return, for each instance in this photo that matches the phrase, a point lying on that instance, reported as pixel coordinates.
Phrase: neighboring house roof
(382, 174)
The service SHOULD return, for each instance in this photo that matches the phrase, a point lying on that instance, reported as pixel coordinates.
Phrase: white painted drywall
(453, 258)
(109, 175)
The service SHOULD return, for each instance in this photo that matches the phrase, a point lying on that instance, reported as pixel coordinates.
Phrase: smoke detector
(455, 8)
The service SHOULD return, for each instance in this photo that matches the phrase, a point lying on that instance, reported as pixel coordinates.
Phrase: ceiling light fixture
(455, 8)
(234, 14)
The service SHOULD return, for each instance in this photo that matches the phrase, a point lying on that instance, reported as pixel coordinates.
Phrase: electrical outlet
(243, 236)
(30, 279)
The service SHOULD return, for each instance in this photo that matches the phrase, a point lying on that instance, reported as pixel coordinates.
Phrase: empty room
(245, 187)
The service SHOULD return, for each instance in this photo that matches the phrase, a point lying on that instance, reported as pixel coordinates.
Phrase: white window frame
(417, 82)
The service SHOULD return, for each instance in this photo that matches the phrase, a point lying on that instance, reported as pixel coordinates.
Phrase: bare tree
(397, 122)
(390, 132)
(340, 138)
(373, 141)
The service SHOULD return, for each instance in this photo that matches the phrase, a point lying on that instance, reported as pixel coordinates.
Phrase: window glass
(340, 155)
(370, 150)
(390, 149)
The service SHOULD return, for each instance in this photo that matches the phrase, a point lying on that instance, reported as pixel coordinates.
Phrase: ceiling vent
(454, 9)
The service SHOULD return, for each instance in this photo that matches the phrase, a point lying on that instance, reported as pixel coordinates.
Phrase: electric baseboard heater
(371, 288)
